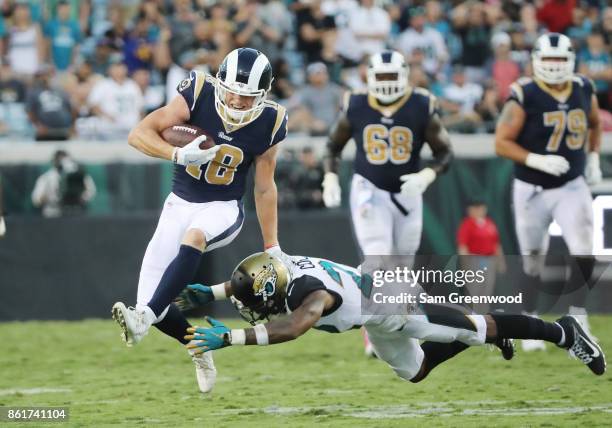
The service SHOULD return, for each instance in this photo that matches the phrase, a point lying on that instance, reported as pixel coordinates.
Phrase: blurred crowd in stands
(90, 69)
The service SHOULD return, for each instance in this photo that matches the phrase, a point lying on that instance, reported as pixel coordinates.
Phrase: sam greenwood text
(456, 298)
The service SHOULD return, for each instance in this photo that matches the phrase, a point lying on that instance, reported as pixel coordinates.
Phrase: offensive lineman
(321, 294)
(204, 210)
(390, 123)
(544, 128)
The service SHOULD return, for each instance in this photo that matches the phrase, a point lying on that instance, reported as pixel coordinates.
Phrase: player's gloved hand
(208, 339)
(276, 251)
(550, 164)
(2, 227)
(416, 184)
(332, 193)
(192, 154)
(592, 172)
(193, 296)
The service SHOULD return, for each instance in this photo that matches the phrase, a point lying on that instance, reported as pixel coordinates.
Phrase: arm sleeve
(190, 88)
(279, 132)
(589, 85)
(516, 94)
(434, 106)
(300, 288)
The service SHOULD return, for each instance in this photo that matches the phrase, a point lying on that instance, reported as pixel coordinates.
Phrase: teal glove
(193, 296)
(208, 339)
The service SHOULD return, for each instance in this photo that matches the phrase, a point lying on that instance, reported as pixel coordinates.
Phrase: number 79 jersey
(556, 123)
(224, 178)
(389, 138)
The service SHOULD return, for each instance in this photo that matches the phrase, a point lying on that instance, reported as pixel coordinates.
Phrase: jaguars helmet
(246, 72)
(387, 76)
(553, 58)
(259, 287)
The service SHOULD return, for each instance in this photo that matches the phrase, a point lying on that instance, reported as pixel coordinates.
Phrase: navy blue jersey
(389, 138)
(556, 123)
(224, 178)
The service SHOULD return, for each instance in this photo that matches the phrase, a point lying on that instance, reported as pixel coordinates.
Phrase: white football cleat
(529, 345)
(134, 323)
(206, 373)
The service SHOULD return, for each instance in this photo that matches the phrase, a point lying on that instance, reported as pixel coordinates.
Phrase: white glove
(332, 193)
(592, 172)
(275, 251)
(2, 227)
(415, 184)
(550, 164)
(191, 154)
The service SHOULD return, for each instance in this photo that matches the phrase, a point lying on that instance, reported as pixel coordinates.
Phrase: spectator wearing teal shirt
(64, 36)
(595, 63)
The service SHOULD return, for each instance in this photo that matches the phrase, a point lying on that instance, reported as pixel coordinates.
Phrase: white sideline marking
(444, 409)
(33, 391)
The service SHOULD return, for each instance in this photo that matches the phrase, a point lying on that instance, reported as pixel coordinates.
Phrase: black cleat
(506, 346)
(582, 345)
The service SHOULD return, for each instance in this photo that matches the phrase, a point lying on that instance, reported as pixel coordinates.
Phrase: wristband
(218, 291)
(237, 337)
(261, 334)
(267, 247)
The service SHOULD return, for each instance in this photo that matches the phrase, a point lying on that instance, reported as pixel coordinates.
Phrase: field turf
(320, 380)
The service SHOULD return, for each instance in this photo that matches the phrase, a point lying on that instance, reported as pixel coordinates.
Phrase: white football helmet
(246, 72)
(391, 64)
(553, 58)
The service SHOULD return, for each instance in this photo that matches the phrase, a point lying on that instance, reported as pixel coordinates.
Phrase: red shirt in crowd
(505, 72)
(479, 236)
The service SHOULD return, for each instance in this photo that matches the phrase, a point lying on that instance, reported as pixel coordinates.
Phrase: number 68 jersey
(224, 178)
(556, 123)
(389, 138)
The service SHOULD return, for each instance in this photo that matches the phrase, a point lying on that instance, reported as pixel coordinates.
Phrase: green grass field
(320, 380)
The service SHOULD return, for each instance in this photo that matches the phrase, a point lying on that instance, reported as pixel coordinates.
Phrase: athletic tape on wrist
(261, 334)
(238, 337)
(218, 291)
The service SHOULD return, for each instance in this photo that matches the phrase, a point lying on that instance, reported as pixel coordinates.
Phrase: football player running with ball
(390, 124)
(544, 128)
(204, 210)
(318, 293)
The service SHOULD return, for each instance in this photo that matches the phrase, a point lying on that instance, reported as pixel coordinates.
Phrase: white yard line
(34, 391)
(443, 409)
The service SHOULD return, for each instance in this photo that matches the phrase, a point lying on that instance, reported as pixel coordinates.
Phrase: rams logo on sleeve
(185, 83)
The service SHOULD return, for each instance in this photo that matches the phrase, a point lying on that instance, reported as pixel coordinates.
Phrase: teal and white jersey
(310, 274)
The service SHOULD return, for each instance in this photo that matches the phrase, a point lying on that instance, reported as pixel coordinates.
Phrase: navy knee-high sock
(179, 273)
(526, 327)
(174, 324)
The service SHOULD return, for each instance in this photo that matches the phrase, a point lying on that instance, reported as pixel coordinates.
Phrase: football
(181, 135)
